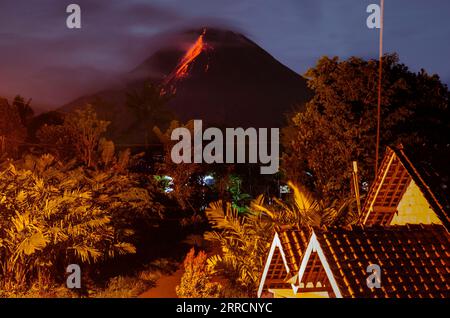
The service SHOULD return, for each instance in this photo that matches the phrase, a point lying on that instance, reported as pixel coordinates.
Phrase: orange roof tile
(427, 166)
(414, 260)
(293, 243)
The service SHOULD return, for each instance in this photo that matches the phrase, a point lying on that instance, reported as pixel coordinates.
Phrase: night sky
(42, 59)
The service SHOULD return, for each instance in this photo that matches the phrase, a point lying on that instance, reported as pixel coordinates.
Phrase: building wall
(414, 208)
(289, 293)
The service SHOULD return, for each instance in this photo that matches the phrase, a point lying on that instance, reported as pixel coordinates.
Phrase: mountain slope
(218, 76)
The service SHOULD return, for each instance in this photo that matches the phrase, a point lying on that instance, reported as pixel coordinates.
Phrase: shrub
(52, 215)
(196, 281)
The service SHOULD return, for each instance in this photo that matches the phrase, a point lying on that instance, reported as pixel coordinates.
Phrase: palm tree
(51, 214)
(305, 210)
(243, 239)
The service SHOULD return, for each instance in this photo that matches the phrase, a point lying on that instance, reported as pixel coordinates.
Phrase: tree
(85, 130)
(78, 137)
(54, 214)
(149, 105)
(24, 109)
(244, 240)
(305, 210)
(239, 199)
(196, 281)
(12, 131)
(187, 187)
(49, 219)
(338, 125)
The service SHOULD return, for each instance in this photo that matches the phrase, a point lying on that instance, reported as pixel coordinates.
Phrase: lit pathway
(165, 286)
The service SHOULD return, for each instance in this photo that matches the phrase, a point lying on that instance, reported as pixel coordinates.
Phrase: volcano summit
(220, 77)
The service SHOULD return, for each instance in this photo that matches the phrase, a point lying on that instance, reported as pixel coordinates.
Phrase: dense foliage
(70, 195)
(243, 239)
(56, 210)
(196, 281)
(338, 125)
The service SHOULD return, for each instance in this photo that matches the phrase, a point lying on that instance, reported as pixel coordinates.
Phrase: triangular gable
(397, 176)
(429, 169)
(413, 260)
(314, 257)
(276, 268)
(284, 257)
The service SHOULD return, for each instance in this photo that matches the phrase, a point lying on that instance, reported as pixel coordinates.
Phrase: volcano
(218, 76)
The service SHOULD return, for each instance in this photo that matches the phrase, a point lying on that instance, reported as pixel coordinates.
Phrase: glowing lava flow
(183, 66)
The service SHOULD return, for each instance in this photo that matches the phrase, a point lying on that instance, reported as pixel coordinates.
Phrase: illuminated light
(208, 180)
(167, 183)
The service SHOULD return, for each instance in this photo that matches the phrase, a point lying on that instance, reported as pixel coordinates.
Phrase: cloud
(117, 35)
(36, 43)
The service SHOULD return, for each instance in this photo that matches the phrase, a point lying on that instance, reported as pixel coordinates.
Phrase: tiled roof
(428, 166)
(294, 243)
(414, 260)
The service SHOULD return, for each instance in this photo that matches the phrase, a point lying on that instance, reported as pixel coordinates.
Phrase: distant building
(413, 261)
